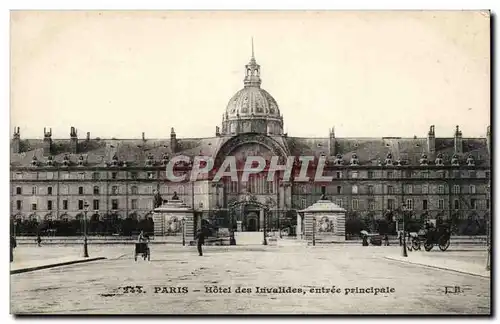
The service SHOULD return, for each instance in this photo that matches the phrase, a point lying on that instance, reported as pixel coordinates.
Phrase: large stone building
(434, 176)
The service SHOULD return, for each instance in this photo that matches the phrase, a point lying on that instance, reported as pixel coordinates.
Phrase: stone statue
(158, 201)
(175, 197)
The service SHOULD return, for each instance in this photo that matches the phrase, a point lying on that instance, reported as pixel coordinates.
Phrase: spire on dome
(252, 74)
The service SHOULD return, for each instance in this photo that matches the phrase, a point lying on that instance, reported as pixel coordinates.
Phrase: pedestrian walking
(386, 240)
(400, 236)
(39, 240)
(200, 236)
(13, 245)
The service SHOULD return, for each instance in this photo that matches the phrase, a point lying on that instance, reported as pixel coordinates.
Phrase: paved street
(95, 287)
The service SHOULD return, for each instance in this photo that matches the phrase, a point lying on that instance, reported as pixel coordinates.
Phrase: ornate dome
(252, 109)
(252, 101)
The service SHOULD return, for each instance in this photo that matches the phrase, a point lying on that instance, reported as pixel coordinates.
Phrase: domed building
(434, 177)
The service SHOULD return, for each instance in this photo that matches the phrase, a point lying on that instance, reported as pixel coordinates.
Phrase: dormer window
(388, 159)
(354, 159)
(423, 160)
(149, 161)
(34, 162)
(439, 160)
(398, 162)
(50, 161)
(470, 161)
(338, 159)
(81, 161)
(65, 162)
(164, 160)
(455, 161)
(114, 161)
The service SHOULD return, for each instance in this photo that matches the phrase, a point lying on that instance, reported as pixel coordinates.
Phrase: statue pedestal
(174, 219)
(325, 222)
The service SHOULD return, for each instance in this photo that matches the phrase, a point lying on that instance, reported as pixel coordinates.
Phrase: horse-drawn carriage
(142, 248)
(439, 236)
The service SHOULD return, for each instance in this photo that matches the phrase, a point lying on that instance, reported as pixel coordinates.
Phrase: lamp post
(85, 248)
(314, 230)
(265, 229)
(403, 210)
(488, 231)
(183, 232)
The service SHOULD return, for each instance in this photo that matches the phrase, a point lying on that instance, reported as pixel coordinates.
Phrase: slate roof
(135, 152)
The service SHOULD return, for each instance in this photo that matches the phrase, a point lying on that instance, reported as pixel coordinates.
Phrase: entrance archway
(250, 221)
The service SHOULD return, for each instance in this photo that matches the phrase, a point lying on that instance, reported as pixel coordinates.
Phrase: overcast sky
(369, 74)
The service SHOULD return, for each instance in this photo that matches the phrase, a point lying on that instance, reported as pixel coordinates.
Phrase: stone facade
(434, 176)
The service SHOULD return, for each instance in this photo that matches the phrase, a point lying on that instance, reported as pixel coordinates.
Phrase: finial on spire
(253, 56)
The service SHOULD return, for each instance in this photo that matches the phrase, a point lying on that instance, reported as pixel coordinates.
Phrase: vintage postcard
(259, 162)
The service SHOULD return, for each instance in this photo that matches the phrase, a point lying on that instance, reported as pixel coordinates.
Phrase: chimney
(217, 131)
(458, 141)
(173, 141)
(73, 143)
(16, 141)
(143, 136)
(88, 136)
(431, 142)
(488, 138)
(47, 141)
(332, 142)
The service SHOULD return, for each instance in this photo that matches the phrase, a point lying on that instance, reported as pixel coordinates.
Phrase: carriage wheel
(444, 244)
(415, 244)
(428, 246)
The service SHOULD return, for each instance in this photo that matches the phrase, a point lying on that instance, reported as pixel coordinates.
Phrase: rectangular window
(440, 189)
(409, 204)
(440, 204)
(339, 189)
(456, 204)
(472, 189)
(114, 190)
(425, 189)
(456, 189)
(487, 204)
(390, 174)
(33, 190)
(81, 176)
(339, 175)
(390, 190)
(114, 204)
(425, 175)
(370, 174)
(33, 206)
(96, 176)
(96, 204)
(339, 202)
(390, 204)
(472, 174)
(65, 204)
(371, 204)
(355, 204)
(114, 175)
(19, 204)
(371, 191)
(134, 203)
(424, 204)
(473, 203)
(354, 189)
(80, 190)
(49, 191)
(133, 175)
(303, 203)
(49, 205)
(409, 189)
(80, 204)
(96, 190)
(354, 175)
(150, 175)
(50, 175)
(19, 191)
(487, 174)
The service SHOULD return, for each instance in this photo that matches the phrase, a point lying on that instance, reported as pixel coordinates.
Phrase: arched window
(134, 190)
(472, 189)
(96, 190)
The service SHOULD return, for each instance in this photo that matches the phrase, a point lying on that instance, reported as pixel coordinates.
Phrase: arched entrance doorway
(249, 215)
